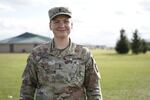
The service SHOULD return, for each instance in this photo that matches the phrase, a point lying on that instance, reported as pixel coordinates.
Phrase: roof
(25, 38)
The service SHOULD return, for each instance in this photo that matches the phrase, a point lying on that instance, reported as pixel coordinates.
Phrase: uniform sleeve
(29, 81)
(92, 76)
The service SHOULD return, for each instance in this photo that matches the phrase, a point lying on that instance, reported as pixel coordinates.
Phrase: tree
(144, 46)
(122, 45)
(136, 43)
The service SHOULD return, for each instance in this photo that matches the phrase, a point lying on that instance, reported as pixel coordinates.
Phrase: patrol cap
(53, 12)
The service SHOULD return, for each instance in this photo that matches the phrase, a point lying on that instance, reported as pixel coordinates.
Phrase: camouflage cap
(53, 12)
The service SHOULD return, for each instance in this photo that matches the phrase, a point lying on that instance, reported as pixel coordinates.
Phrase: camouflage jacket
(53, 74)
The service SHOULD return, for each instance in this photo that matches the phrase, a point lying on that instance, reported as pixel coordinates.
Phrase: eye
(66, 21)
(56, 22)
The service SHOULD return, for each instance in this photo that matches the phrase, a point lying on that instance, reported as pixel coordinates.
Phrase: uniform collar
(62, 52)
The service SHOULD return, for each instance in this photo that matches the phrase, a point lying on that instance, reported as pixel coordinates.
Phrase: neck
(61, 43)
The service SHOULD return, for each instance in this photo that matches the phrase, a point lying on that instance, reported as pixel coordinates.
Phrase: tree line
(136, 45)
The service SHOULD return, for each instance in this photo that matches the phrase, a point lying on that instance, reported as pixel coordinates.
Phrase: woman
(60, 69)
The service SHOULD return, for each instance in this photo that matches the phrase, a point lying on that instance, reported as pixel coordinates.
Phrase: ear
(50, 25)
(72, 25)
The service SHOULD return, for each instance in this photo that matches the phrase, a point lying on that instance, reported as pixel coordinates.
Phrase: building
(22, 43)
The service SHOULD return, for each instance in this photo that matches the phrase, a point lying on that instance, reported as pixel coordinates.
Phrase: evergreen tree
(136, 43)
(122, 45)
(144, 46)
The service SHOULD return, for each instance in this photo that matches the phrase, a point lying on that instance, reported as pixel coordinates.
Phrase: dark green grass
(124, 77)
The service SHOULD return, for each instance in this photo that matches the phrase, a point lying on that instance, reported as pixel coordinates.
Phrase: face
(61, 26)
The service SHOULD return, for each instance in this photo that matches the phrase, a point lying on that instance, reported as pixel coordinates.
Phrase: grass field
(124, 77)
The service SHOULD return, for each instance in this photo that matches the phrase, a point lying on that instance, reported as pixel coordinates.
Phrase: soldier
(60, 69)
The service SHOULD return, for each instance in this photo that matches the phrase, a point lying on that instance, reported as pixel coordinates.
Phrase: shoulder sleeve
(29, 79)
(92, 77)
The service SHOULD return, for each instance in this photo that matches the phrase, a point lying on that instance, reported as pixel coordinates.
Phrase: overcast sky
(95, 21)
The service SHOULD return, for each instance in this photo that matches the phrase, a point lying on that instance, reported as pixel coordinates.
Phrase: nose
(61, 24)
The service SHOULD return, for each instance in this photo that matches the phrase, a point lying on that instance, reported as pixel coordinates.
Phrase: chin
(62, 36)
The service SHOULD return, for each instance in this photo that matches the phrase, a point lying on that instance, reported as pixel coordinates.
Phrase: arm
(92, 77)
(29, 81)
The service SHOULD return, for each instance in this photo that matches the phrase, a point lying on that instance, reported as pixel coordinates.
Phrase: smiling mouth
(62, 30)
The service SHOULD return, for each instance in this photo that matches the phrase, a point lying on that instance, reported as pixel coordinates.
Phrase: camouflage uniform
(54, 74)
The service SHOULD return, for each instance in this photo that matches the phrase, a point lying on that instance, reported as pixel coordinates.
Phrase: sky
(94, 21)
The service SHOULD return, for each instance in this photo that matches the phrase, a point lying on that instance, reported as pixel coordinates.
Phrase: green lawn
(11, 67)
(124, 77)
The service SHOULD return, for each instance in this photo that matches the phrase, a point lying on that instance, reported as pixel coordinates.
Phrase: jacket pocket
(77, 72)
